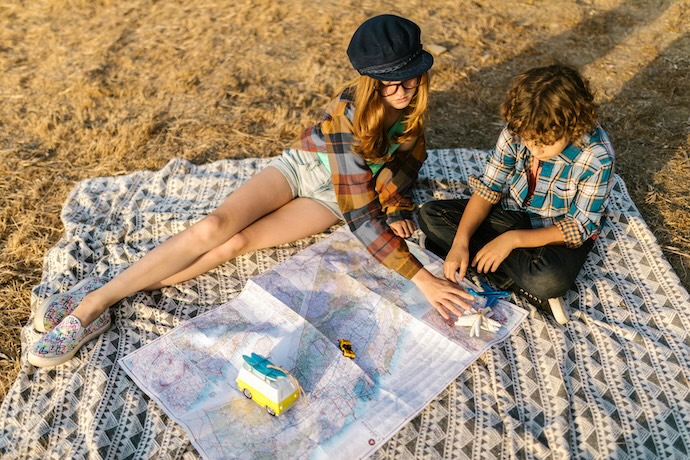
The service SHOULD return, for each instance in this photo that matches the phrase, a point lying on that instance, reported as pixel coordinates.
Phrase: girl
(355, 165)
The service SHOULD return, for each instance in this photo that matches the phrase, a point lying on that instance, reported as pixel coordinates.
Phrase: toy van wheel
(247, 393)
(270, 411)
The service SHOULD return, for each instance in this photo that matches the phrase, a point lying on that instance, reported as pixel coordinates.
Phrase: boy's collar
(570, 153)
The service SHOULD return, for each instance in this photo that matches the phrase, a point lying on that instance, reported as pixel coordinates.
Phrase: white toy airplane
(480, 319)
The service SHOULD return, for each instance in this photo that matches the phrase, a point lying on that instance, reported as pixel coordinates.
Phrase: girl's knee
(209, 229)
(236, 246)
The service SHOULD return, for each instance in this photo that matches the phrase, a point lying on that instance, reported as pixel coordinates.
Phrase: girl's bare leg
(299, 218)
(262, 194)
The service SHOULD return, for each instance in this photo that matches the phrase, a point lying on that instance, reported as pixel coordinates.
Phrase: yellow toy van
(267, 385)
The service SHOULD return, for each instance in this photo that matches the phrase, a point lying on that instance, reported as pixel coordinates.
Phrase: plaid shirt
(368, 201)
(571, 191)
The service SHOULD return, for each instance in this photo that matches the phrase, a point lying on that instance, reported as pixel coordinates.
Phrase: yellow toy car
(346, 348)
(267, 385)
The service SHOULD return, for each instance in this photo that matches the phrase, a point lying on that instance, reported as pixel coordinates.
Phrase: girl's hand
(456, 262)
(446, 297)
(403, 228)
(493, 253)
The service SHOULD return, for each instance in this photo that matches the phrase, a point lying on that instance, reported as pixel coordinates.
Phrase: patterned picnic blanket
(613, 383)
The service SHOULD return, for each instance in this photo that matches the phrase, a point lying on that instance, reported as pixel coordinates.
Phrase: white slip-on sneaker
(63, 342)
(56, 307)
(559, 310)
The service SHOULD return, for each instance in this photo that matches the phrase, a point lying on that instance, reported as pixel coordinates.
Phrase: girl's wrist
(422, 275)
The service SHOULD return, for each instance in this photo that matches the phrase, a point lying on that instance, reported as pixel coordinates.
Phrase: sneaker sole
(40, 361)
(39, 317)
(558, 310)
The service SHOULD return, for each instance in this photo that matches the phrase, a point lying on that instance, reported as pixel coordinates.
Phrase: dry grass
(109, 87)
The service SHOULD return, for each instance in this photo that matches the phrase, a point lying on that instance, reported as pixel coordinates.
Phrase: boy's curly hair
(546, 104)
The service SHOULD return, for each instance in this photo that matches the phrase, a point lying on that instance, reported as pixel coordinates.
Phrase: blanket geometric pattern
(612, 383)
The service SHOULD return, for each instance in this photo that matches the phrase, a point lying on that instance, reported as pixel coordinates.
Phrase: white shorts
(308, 178)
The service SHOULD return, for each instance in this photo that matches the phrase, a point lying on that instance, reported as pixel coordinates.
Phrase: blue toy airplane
(491, 295)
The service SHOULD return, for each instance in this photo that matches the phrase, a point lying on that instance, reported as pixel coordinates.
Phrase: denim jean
(544, 272)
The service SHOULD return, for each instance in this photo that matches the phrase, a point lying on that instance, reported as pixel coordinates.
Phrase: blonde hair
(546, 104)
(370, 139)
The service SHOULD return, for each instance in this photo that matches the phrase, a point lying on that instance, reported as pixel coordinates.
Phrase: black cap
(388, 47)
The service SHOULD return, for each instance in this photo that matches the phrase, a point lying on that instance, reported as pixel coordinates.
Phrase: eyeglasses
(389, 90)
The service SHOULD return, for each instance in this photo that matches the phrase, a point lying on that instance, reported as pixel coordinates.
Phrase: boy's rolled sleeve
(484, 191)
(572, 232)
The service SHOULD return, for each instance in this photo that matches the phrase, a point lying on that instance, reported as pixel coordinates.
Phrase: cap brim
(418, 66)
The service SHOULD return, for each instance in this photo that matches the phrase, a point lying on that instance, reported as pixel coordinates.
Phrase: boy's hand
(493, 253)
(403, 228)
(456, 262)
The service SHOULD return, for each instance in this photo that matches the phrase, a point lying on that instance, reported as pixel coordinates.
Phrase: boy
(535, 212)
